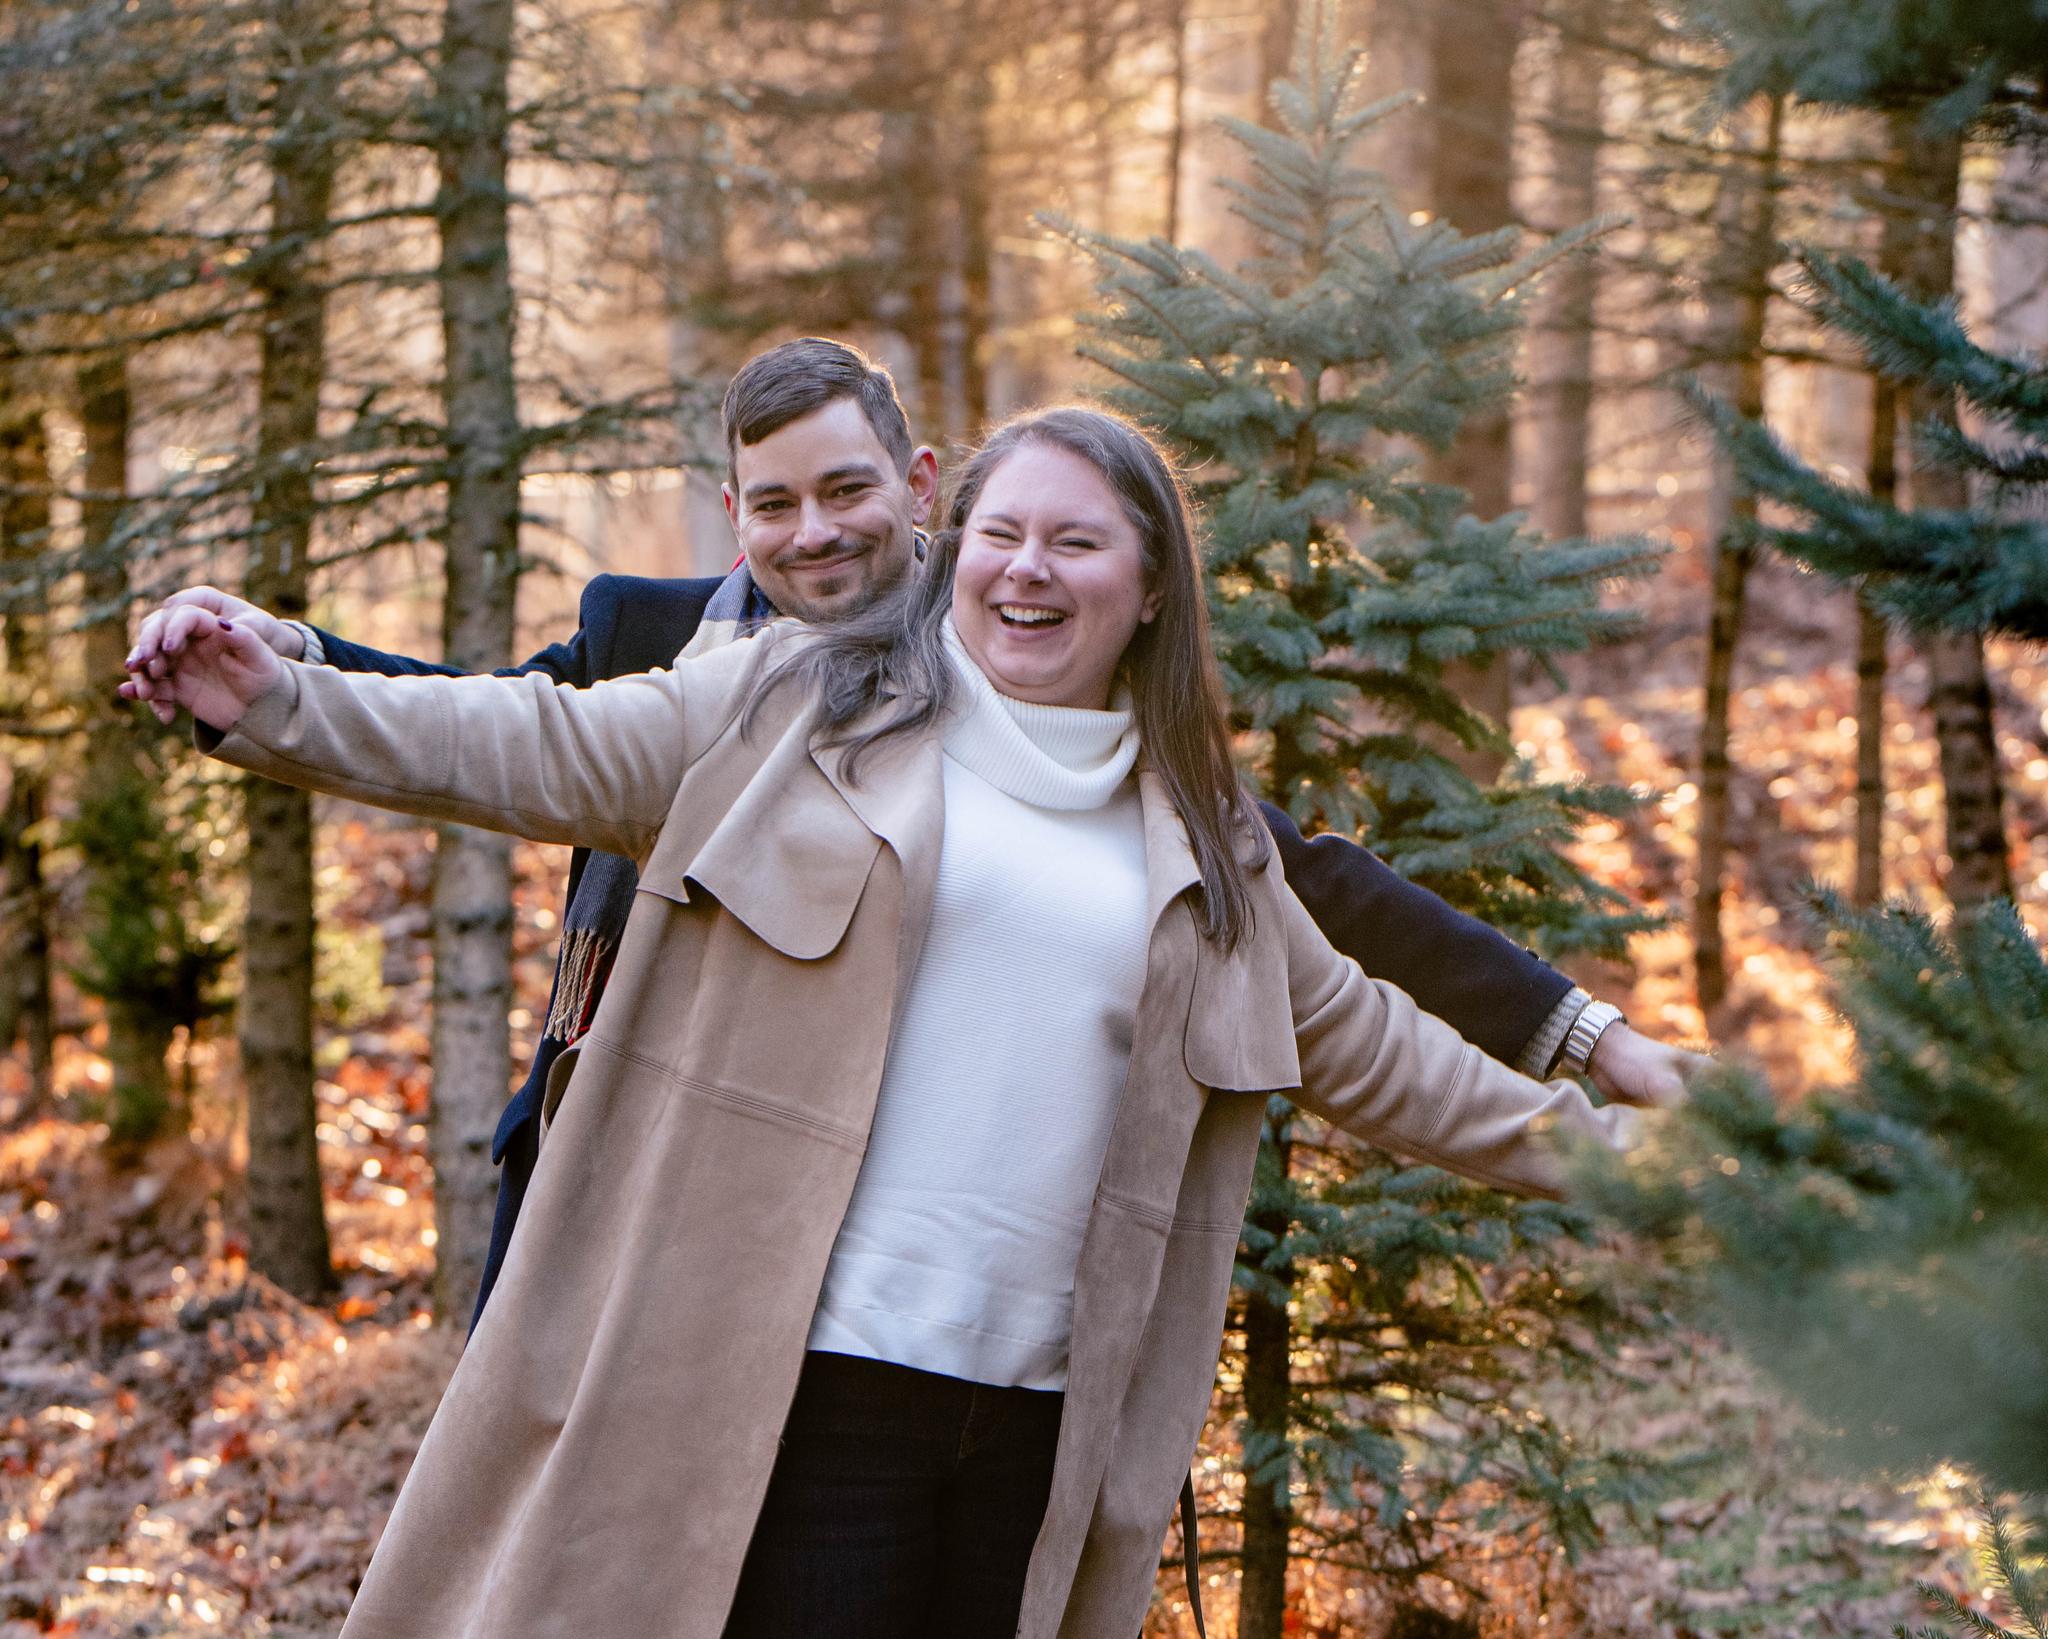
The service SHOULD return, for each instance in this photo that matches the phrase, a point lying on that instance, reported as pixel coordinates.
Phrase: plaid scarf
(596, 918)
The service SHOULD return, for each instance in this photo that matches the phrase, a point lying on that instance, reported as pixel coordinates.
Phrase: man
(826, 494)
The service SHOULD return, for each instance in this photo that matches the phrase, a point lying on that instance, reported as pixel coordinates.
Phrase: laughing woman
(872, 1279)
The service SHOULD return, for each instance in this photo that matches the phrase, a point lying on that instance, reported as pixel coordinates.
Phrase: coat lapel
(1170, 868)
(900, 795)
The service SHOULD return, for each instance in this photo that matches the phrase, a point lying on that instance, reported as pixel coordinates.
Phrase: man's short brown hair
(777, 387)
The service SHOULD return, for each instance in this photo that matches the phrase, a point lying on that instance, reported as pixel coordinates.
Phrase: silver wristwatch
(1587, 1029)
(314, 652)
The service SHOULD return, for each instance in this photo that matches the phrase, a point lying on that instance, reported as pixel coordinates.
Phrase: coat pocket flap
(1240, 1033)
(788, 859)
(557, 1084)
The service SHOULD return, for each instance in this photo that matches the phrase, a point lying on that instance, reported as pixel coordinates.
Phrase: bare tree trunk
(690, 212)
(1268, 1519)
(287, 1223)
(1872, 639)
(1749, 225)
(949, 246)
(1564, 326)
(1472, 104)
(1925, 175)
(27, 1007)
(1276, 48)
(901, 159)
(472, 895)
(115, 789)
(1177, 128)
(977, 263)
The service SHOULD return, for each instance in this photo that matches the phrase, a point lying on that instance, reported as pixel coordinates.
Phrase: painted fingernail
(227, 625)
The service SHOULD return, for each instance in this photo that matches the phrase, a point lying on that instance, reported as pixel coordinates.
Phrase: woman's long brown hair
(885, 671)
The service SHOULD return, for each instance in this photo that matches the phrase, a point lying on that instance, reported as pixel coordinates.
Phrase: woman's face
(1050, 584)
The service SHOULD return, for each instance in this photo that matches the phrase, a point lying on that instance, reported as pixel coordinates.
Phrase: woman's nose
(1027, 564)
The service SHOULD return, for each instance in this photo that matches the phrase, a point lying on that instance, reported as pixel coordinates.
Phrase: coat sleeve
(595, 767)
(1485, 986)
(1376, 1065)
(567, 662)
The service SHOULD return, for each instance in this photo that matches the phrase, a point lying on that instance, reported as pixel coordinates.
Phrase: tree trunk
(116, 788)
(1268, 1395)
(287, 1223)
(1177, 126)
(690, 207)
(1924, 176)
(903, 151)
(1472, 109)
(1749, 225)
(952, 255)
(1564, 333)
(1872, 639)
(27, 1008)
(1276, 50)
(1268, 1516)
(472, 893)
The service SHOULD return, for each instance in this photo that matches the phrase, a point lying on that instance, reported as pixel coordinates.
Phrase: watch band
(315, 652)
(1587, 1029)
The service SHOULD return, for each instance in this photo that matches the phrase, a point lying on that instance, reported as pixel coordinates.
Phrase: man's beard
(859, 583)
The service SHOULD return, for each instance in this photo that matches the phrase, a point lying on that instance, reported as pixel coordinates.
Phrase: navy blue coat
(1487, 987)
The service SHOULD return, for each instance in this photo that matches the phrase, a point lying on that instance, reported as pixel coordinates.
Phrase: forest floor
(185, 1450)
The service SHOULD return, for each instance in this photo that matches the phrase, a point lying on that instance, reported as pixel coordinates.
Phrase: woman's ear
(1149, 607)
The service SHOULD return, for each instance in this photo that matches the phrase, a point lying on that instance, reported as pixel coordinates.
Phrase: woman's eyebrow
(1093, 526)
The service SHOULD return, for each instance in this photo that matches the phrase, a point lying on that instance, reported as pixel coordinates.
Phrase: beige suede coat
(595, 1469)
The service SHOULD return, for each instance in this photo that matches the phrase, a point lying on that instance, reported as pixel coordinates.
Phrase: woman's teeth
(1017, 614)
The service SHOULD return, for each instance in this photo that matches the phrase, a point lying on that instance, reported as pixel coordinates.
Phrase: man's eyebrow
(858, 469)
(865, 470)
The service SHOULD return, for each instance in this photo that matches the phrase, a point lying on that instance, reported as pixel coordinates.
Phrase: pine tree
(2001, 1554)
(1299, 388)
(1936, 73)
(1880, 1248)
(1975, 569)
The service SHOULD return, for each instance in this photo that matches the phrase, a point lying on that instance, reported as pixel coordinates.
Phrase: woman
(872, 1279)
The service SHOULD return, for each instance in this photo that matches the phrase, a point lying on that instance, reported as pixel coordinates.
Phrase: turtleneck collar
(1050, 756)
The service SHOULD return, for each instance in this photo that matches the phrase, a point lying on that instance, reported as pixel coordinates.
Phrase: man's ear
(923, 479)
(732, 506)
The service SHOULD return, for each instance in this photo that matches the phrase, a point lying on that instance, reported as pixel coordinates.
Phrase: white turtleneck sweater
(958, 1250)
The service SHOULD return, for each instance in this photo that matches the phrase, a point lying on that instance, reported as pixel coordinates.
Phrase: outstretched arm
(1382, 1069)
(1488, 988)
(595, 767)
(1505, 1000)
(568, 662)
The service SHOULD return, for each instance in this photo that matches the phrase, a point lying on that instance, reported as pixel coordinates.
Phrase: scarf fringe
(579, 978)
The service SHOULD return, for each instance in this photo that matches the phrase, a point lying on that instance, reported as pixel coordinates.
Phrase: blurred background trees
(410, 315)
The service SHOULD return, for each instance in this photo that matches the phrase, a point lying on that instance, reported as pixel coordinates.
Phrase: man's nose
(813, 529)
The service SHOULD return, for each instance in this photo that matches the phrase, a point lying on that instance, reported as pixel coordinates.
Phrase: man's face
(821, 512)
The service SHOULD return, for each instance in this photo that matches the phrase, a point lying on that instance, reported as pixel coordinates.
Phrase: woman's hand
(212, 667)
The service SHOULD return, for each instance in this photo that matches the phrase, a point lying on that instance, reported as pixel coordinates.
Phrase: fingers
(178, 629)
(149, 638)
(211, 598)
(190, 632)
(151, 695)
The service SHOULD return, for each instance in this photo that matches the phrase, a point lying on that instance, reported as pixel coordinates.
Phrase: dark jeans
(903, 1505)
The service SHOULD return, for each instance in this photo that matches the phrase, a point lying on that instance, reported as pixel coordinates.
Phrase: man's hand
(146, 659)
(212, 667)
(1629, 1068)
